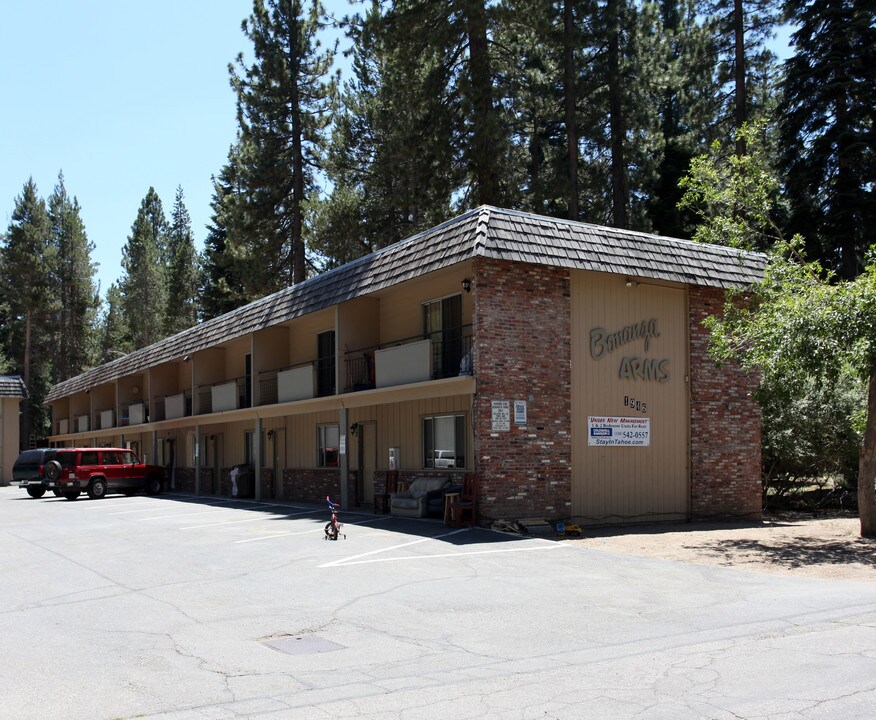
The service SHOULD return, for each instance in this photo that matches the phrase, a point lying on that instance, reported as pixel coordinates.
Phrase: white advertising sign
(501, 416)
(619, 431)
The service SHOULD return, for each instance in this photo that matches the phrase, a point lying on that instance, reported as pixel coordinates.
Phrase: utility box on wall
(394, 459)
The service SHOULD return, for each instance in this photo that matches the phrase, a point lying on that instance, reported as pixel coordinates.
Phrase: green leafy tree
(77, 292)
(143, 284)
(735, 196)
(799, 325)
(827, 129)
(284, 102)
(182, 270)
(28, 261)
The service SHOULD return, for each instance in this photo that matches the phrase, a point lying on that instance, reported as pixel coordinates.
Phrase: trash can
(242, 481)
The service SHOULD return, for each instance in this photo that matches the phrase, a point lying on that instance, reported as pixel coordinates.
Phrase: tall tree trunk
(25, 405)
(485, 130)
(298, 271)
(867, 466)
(570, 97)
(740, 114)
(619, 192)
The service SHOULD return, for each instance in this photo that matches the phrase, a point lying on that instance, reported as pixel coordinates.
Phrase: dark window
(442, 324)
(325, 363)
(66, 460)
(247, 390)
(328, 441)
(444, 441)
(89, 458)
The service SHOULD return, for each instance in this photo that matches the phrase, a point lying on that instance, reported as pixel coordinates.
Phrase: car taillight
(41, 469)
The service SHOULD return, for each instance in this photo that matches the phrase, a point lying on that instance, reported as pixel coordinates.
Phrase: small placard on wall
(501, 416)
(520, 412)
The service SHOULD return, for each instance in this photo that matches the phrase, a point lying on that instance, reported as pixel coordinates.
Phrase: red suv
(98, 471)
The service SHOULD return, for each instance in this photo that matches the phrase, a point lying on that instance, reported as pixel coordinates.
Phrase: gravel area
(789, 544)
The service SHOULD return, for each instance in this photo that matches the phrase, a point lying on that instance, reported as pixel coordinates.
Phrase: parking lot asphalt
(183, 608)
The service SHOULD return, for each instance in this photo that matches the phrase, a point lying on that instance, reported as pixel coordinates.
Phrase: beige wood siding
(401, 308)
(401, 425)
(624, 484)
(302, 339)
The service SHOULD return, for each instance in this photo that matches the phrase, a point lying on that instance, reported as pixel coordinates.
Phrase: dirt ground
(787, 544)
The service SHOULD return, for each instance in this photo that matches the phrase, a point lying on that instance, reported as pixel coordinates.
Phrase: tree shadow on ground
(795, 552)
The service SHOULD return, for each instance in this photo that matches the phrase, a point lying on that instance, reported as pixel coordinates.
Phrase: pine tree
(143, 284)
(284, 99)
(746, 67)
(79, 297)
(115, 335)
(182, 270)
(221, 287)
(388, 161)
(446, 44)
(827, 131)
(688, 108)
(28, 261)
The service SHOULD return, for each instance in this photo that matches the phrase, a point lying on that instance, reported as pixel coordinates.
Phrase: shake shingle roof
(12, 386)
(483, 232)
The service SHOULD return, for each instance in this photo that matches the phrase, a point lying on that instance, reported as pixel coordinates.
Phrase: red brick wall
(311, 485)
(522, 329)
(725, 424)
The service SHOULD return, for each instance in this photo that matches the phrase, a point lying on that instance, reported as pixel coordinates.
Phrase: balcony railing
(223, 396)
(450, 351)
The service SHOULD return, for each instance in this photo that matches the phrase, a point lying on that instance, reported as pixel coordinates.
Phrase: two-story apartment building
(564, 364)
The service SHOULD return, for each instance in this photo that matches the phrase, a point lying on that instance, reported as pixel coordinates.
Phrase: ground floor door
(277, 460)
(367, 462)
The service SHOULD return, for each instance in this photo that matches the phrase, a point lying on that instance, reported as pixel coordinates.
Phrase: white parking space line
(352, 560)
(461, 553)
(306, 532)
(253, 519)
(280, 535)
(211, 507)
(110, 505)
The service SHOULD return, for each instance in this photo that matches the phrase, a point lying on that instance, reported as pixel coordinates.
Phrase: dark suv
(29, 470)
(98, 471)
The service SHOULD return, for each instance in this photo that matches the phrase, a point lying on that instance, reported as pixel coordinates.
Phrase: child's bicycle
(333, 527)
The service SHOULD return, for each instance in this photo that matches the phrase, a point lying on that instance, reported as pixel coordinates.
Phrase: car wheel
(97, 489)
(57, 492)
(70, 494)
(154, 486)
(36, 492)
(53, 470)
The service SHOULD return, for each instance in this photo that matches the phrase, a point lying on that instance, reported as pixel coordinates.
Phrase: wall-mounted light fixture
(466, 284)
(186, 358)
(270, 434)
(354, 428)
(632, 283)
(135, 389)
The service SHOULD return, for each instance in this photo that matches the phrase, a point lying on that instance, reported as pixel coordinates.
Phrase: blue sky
(121, 96)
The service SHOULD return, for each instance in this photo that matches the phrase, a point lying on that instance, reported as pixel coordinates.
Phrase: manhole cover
(302, 644)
